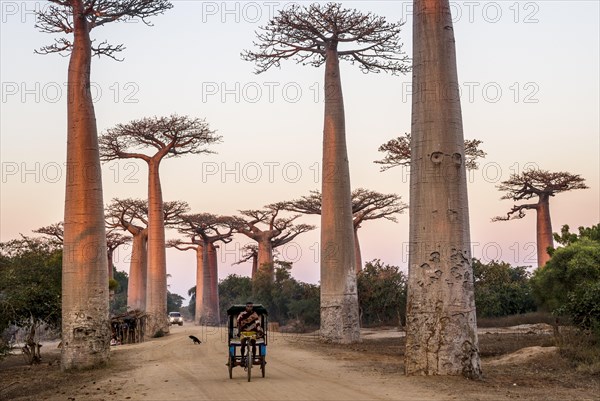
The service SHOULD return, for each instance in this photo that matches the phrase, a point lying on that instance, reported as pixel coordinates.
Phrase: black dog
(195, 340)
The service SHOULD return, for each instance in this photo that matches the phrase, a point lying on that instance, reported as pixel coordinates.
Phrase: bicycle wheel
(230, 366)
(262, 365)
(249, 359)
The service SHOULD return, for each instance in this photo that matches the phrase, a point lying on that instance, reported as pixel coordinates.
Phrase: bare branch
(170, 137)
(397, 153)
(58, 18)
(56, 232)
(303, 33)
(536, 183)
(366, 205)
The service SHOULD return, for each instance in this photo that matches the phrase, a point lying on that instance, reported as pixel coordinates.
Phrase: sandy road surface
(173, 368)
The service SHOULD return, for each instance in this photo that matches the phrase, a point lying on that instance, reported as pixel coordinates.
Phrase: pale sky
(529, 73)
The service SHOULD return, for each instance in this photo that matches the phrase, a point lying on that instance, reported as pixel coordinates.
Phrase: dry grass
(515, 320)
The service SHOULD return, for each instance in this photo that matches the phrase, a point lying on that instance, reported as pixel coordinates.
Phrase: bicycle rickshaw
(234, 342)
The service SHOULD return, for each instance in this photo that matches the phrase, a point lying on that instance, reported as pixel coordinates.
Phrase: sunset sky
(528, 71)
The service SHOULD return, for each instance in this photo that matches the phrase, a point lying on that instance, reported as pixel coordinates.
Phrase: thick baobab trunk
(156, 293)
(441, 325)
(357, 254)
(544, 230)
(213, 298)
(254, 265)
(339, 301)
(138, 271)
(85, 295)
(200, 280)
(111, 266)
(265, 256)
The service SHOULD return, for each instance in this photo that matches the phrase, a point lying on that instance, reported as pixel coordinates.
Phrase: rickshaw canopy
(237, 309)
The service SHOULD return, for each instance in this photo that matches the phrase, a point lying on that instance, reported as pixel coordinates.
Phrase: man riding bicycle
(248, 323)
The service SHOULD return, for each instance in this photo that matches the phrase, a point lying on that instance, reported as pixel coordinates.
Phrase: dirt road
(300, 368)
(174, 368)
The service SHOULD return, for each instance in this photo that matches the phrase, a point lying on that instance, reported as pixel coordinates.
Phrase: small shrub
(581, 348)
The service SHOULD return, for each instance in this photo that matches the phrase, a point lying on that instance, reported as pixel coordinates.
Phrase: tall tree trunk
(200, 270)
(254, 265)
(544, 230)
(339, 301)
(138, 271)
(85, 296)
(357, 254)
(441, 334)
(156, 293)
(265, 256)
(204, 298)
(213, 298)
(111, 266)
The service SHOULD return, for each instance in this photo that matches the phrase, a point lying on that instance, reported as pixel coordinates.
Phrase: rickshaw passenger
(249, 321)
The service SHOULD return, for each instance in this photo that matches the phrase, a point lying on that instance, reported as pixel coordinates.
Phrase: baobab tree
(171, 136)
(85, 297)
(250, 252)
(541, 184)
(324, 34)
(441, 332)
(204, 231)
(397, 153)
(113, 241)
(131, 215)
(54, 232)
(366, 205)
(270, 231)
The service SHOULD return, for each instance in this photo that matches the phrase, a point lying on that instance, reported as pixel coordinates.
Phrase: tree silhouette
(171, 136)
(204, 231)
(250, 252)
(397, 153)
(85, 296)
(55, 233)
(324, 34)
(269, 230)
(543, 185)
(366, 205)
(131, 215)
(441, 330)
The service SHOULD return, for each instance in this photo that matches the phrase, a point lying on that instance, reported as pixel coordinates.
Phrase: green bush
(501, 290)
(382, 294)
(564, 277)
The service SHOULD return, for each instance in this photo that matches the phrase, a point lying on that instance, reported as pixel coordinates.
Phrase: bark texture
(441, 324)
(357, 253)
(212, 312)
(339, 300)
(201, 279)
(156, 291)
(138, 270)
(544, 230)
(85, 294)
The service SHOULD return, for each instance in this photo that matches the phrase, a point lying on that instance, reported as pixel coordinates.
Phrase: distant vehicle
(175, 318)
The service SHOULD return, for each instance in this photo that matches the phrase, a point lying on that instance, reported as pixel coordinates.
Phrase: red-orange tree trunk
(156, 292)
(85, 294)
(138, 271)
(544, 230)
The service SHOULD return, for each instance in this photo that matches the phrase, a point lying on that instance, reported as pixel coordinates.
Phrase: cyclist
(249, 322)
